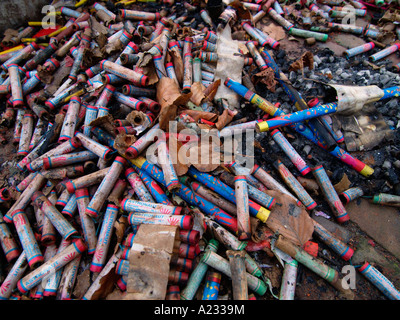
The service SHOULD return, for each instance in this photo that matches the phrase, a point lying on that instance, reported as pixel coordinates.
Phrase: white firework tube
(182, 221)
(68, 279)
(131, 205)
(165, 161)
(15, 274)
(125, 73)
(26, 134)
(143, 142)
(288, 286)
(16, 87)
(86, 181)
(91, 145)
(71, 119)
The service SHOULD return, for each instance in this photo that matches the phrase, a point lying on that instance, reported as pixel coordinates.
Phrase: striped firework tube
(8, 244)
(13, 276)
(279, 19)
(104, 99)
(91, 145)
(124, 73)
(136, 206)
(256, 55)
(188, 251)
(138, 186)
(351, 194)
(90, 115)
(183, 222)
(189, 236)
(173, 292)
(211, 288)
(242, 204)
(87, 223)
(143, 142)
(130, 101)
(66, 159)
(69, 276)
(70, 207)
(164, 159)
(138, 15)
(385, 52)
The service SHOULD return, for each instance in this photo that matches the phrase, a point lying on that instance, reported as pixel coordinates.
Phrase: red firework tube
(330, 194)
(188, 251)
(70, 120)
(103, 243)
(189, 236)
(138, 186)
(173, 291)
(128, 74)
(143, 142)
(130, 101)
(51, 65)
(105, 187)
(86, 181)
(152, 105)
(183, 222)
(125, 129)
(102, 151)
(27, 238)
(7, 241)
(16, 87)
(53, 264)
(87, 223)
(182, 264)
(242, 204)
(18, 126)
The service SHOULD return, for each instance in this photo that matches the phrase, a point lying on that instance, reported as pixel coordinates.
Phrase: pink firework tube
(63, 148)
(138, 15)
(7, 241)
(90, 115)
(4, 195)
(138, 186)
(64, 228)
(338, 246)
(70, 208)
(104, 99)
(16, 87)
(70, 120)
(279, 19)
(128, 74)
(26, 134)
(136, 206)
(152, 105)
(102, 151)
(350, 195)
(187, 64)
(164, 159)
(27, 238)
(66, 159)
(105, 187)
(143, 142)
(359, 49)
(295, 185)
(330, 194)
(86, 181)
(87, 223)
(183, 222)
(68, 279)
(20, 55)
(385, 52)
(130, 101)
(15, 274)
(53, 264)
(292, 154)
(24, 183)
(256, 36)
(256, 55)
(100, 254)
(242, 204)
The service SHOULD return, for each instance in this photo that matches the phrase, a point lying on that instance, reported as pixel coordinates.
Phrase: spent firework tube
(109, 13)
(62, 200)
(206, 17)
(338, 246)
(103, 243)
(242, 204)
(13, 276)
(103, 136)
(197, 275)
(20, 55)
(238, 271)
(129, 58)
(256, 55)
(131, 90)
(167, 166)
(346, 28)
(90, 115)
(209, 46)
(187, 64)
(26, 134)
(183, 222)
(379, 281)
(189, 236)
(5, 193)
(49, 233)
(188, 251)
(77, 63)
(220, 264)
(386, 199)
(359, 49)
(238, 128)
(41, 56)
(18, 125)
(254, 34)
(51, 65)
(173, 292)
(188, 195)
(138, 186)
(177, 277)
(170, 70)
(295, 185)
(86, 181)
(136, 206)
(91, 145)
(337, 12)
(122, 267)
(385, 52)
(27, 238)
(57, 219)
(104, 99)
(152, 105)
(138, 15)
(159, 66)
(351, 194)
(69, 276)
(16, 87)
(70, 208)
(105, 187)
(143, 142)
(260, 197)
(130, 101)
(211, 289)
(125, 129)
(69, 12)
(70, 120)
(128, 74)
(266, 38)
(330, 194)
(154, 188)
(279, 19)
(292, 154)
(8, 244)
(309, 34)
(208, 56)
(288, 283)
(55, 263)
(87, 223)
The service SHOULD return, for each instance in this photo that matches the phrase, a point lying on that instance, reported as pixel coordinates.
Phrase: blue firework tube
(256, 55)
(122, 267)
(125, 37)
(103, 136)
(76, 66)
(90, 115)
(391, 92)
(165, 160)
(104, 99)
(27, 238)
(211, 37)
(187, 64)
(330, 194)
(169, 69)
(70, 12)
(105, 187)
(131, 205)
(103, 243)
(143, 142)
(292, 154)
(189, 196)
(242, 204)
(16, 87)
(70, 208)
(379, 281)
(57, 219)
(271, 42)
(54, 102)
(15, 274)
(359, 49)
(211, 289)
(351, 194)
(295, 185)
(138, 186)
(227, 192)
(385, 52)
(259, 196)
(131, 90)
(8, 244)
(100, 150)
(159, 66)
(130, 101)
(155, 190)
(209, 46)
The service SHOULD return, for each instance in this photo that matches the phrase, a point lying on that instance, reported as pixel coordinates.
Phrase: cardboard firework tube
(164, 158)
(130, 101)
(104, 238)
(188, 251)
(380, 281)
(189, 236)
(138, 15)
(41, 56)
(338, 246)
(262, 39)
(384, 53)
(187, 64)
(14, 275)
(279, 19)
(256, 55)
(154, 188)
(288, 283)
(5, 195)
(152, 105)
(131, 90)
(70, 208)
(69, 276)
(131, 205)
(219, 263)
(309, 34)
(128, 74)
(100, 150)
(16, 87)
(26, 134)
(90, 115)
(71, 171)
(104, 99)
(8, 244)
(88, 226)
(386, 199)
(238, 274)
(346, 28)
(55, 263)
(242, 204)
(18, 125)
(295, 185)
(138, 186)
(330, 194)
(359, 49)
(27, 238)
(57, 219)
(86, 180)
(351, 194)
(20, 55)
(211, 289)
(70, 120)
(70, 158)
(49, 233)
(183, 222)
(105, 187)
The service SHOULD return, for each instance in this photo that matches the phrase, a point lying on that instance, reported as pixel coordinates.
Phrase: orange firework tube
(86, 180)
(102, 151)
(242, 204)
(128, 74)
(53, 264)
(7, 241)
(16, 87)
(71, 119)
(330, 194)
(26, 134)
(87, 223)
